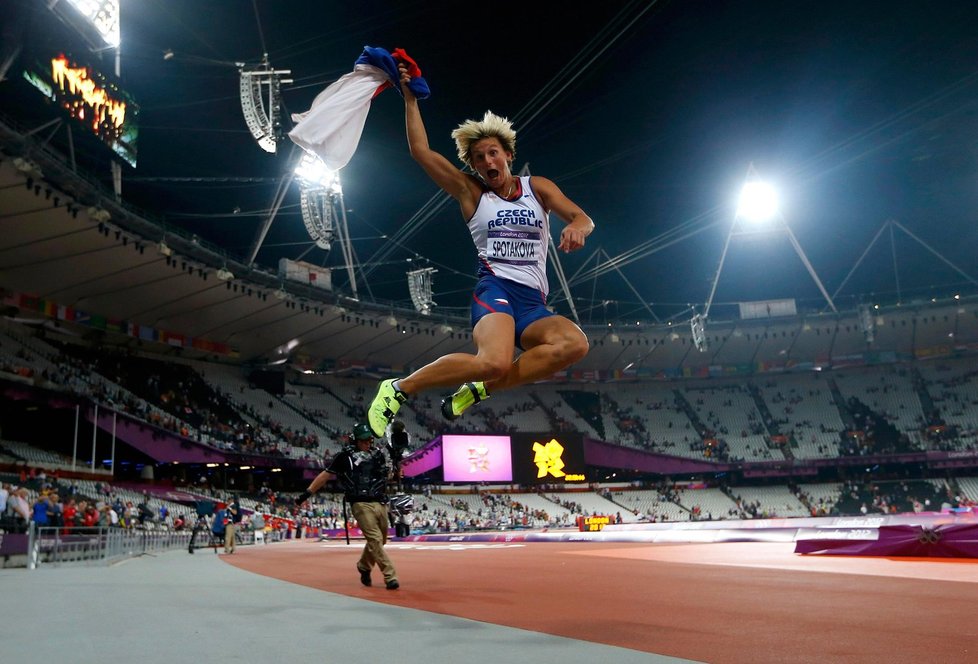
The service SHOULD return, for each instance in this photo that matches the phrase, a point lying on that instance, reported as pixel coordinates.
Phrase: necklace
(512, 188)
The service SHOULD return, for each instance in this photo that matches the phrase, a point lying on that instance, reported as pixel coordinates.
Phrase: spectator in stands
(4, 495)
(69, 515)
(88, 514)
(41, 511)
(129, 516)
(55, 510)
(219, 524)
(18, 504)
(257, 523)
(143, 512)
(233, 519)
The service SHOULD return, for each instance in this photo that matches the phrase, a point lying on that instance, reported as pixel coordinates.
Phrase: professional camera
(401, 504)
(399, 442)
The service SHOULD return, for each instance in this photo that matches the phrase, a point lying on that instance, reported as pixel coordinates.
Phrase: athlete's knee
(494, 369)
(574, 346)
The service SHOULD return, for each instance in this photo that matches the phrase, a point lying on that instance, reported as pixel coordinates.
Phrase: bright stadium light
(319, 188)
(758, 202)
(103, 15)
(312, 171)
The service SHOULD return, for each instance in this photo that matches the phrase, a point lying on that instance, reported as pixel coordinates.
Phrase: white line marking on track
(432, 546)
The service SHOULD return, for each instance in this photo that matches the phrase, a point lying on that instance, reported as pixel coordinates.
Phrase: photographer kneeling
(363, 471)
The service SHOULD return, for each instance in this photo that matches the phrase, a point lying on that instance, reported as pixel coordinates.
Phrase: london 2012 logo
(548, 458)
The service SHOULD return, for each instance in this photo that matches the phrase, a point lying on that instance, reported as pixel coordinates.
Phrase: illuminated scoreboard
(476, 458)
(593, 523)
(524, 458)
(550, 458)
(91, 98)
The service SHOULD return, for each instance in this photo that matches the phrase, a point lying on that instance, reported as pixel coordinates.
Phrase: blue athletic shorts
(524, 303)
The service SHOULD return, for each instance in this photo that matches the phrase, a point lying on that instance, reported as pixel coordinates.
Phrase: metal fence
(81, 546)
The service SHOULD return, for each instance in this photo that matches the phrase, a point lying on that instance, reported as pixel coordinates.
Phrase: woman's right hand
(405, 79)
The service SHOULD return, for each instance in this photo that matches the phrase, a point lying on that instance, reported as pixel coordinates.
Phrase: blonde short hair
(491, 126)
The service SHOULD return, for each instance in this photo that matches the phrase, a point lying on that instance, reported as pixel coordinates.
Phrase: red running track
(741, 602)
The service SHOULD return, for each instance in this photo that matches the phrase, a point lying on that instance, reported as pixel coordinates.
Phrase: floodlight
(224, 274)
(314, 172)
(319, 185)
(103, 15)
(165, 249)
(758, 202)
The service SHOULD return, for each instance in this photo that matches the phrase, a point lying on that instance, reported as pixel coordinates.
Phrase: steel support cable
(412, 226)
(650, 246)
(906, 113)
(821, 157)
(634, 253)
(577, 71)
(164, 5)
(629, 256)
(371, 26)
(571, 71)
(261, 33)
(567, 71)
(646, 249)
(616, 263)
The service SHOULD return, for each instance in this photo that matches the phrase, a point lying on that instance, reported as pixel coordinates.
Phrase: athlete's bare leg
(493, 360)
(551, 344)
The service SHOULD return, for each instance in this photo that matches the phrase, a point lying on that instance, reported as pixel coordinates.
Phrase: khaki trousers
(229, 537)
(372, 519)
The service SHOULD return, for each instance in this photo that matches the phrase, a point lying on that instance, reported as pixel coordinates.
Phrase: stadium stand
(775, 417)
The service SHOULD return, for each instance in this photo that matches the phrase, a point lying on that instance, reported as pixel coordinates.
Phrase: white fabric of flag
(331, 128)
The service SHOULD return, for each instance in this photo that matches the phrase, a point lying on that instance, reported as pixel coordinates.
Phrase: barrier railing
(57, 546)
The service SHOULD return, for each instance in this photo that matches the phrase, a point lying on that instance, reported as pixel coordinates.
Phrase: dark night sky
(860, 112)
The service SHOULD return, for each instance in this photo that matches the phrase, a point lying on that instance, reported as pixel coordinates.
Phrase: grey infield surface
(175, 607)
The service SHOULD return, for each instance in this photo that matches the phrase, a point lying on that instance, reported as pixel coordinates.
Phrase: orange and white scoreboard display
(593, 523)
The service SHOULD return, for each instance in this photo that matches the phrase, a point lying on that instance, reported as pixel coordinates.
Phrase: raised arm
(459, 186)
(579, 224)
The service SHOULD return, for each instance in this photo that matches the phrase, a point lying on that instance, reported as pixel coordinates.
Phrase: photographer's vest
(364, 477)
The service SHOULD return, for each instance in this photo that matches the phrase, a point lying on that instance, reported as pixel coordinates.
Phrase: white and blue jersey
(512, 237)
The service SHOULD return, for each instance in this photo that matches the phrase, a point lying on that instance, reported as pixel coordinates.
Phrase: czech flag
(331, 128)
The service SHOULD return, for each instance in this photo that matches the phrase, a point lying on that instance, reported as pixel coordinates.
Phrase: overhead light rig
(261, 102)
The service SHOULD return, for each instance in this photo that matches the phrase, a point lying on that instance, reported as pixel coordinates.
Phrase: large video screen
(91, 98)
(549, 458)
(476, 458)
